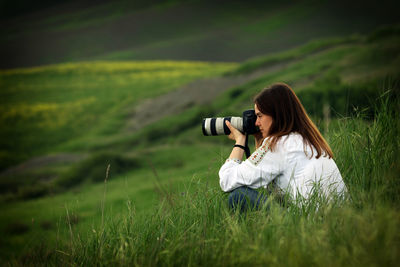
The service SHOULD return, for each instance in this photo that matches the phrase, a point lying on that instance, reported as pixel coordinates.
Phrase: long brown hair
(288, 115)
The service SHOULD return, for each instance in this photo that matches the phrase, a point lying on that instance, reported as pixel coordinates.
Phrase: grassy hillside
(71, 31)
(43, 106)
(192, 226)
(162, 179)
(191, 223)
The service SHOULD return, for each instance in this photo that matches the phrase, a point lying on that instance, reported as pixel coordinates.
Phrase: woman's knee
(242, 197)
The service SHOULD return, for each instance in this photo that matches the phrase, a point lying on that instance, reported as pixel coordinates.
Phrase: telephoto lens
(217, 126)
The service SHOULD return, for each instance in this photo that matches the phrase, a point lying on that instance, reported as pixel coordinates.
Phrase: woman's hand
(236, 134)
(240, 139)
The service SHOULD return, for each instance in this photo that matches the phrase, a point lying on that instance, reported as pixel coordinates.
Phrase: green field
(44, 106)
(160, 202)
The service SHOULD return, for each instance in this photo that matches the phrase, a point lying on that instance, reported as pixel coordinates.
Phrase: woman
(290, 152)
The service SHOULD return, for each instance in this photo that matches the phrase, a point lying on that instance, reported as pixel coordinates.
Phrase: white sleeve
(257, 171)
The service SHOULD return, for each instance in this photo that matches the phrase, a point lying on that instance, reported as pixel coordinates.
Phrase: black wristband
(242, 147)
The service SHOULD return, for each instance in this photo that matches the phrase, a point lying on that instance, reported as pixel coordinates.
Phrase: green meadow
(89, 190)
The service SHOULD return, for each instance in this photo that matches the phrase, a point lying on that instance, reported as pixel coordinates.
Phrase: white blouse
(290, 164)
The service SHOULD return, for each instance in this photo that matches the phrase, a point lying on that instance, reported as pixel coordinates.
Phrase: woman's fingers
(228, 124)
(235, 133)
(231, 128)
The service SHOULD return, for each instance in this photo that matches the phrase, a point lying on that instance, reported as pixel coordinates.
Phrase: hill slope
(75, 111)
(150, 163)
(179, 30)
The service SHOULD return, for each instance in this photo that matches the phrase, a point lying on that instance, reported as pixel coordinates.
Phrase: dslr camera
(217, 126)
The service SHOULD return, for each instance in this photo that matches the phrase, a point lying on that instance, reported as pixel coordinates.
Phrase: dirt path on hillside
(200, 92)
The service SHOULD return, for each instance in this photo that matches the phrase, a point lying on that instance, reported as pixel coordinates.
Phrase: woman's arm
(239, 138)
(257, 171)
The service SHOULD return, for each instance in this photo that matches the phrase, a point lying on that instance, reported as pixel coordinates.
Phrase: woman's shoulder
(291, 140)
(296, 145)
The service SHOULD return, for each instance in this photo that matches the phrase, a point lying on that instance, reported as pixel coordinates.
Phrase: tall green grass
(368, 153)
(365, 146)
(193, 225)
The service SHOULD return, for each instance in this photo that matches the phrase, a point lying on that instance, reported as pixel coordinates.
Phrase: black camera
(217, 126)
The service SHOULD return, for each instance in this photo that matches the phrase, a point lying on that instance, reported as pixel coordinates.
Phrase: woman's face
(263, 122)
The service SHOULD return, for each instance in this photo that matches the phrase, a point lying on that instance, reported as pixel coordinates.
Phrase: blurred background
(225, 31)
(124, 85)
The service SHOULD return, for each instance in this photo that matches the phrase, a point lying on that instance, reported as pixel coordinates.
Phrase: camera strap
(246, 147)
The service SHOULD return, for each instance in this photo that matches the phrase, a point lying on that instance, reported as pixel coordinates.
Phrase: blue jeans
(244, 198)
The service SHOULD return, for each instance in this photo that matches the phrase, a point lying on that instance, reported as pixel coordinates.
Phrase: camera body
(217, 126)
